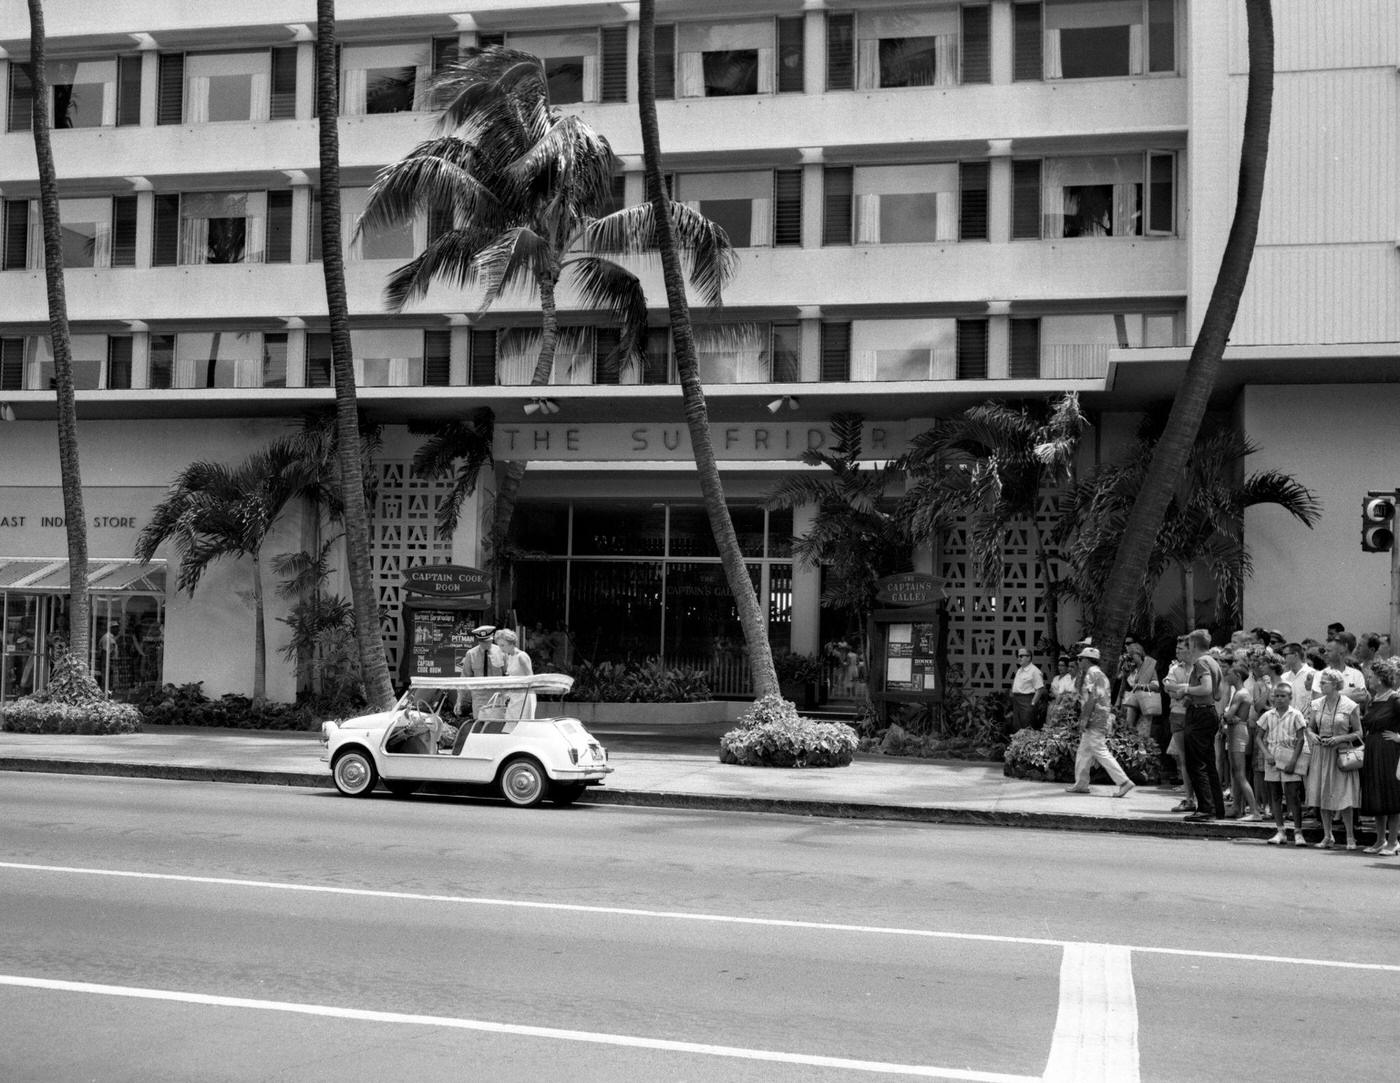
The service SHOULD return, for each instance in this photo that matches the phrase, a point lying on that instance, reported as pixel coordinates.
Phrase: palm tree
(518, 185)
(1203, 523)
(379, 691)
(1171, 453)
(987, 466)
(212, 511)
(855, 533)
(669, 223)
(70, 473)
(457, 449)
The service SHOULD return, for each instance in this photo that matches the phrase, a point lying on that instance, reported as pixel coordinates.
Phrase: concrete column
(306, 83)
(150, 84)
(998, 347)
(814, 51)
(301, 222)
(811, 197)
(5, 97)
(806, 591)
(999, 191)
(810, 322)
(296, 354)
(140, 360)
(460, 350)
(145, 226)
(1001, 42)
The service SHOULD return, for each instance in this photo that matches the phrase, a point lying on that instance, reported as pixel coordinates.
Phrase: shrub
(772, 734)
(798, 668)
(637, 682)
(1048, 754)
(187, 705)
(72, 703)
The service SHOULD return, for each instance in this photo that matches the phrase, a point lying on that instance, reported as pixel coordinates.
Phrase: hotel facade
(933, 204)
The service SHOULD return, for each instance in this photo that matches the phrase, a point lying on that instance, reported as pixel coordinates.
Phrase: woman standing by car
(515, 663)
(1335, 723)
(1380, 789)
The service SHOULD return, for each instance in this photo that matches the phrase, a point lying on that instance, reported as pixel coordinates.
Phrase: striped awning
(50, 576)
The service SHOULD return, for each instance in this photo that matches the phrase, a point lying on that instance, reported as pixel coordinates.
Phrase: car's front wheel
(523, 782)
(354, 773)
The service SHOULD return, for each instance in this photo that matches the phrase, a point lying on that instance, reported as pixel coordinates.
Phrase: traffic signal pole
(1395, 589)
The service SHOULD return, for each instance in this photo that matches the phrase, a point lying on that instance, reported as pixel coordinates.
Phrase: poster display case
(908, 641)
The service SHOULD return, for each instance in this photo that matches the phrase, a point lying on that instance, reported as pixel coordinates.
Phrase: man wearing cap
(1095, 718)
(477, 663)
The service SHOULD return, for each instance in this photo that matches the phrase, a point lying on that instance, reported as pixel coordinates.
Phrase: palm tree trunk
(74, 518)
(1170, 456)
(765, 678)
(1188, 590)
(374, 666)
(259, 633)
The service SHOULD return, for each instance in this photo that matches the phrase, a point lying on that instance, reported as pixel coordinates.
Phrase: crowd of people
(1260, 727)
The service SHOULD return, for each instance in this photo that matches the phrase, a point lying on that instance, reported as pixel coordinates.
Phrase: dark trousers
(1198, 740)
(1022, 709)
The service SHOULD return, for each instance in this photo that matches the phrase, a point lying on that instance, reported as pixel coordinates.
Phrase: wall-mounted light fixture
(790, 401)
(541, 406)
(7, 412)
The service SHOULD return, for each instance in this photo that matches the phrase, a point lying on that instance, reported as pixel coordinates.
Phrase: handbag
(1351, 758)
(1296, 762)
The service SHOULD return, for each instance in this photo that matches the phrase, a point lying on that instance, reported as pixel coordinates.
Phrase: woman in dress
(1235, 724)
(1335, 723)
(516, 663)
(1064, 681)
(1141, 695)
(1380, 789)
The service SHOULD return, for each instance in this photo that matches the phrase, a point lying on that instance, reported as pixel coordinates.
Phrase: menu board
(911, 658)
(440, 638)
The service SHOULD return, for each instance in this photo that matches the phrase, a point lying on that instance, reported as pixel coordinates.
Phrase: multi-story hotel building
(933, 203)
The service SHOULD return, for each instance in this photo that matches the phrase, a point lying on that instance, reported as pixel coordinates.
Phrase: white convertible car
(527, 759)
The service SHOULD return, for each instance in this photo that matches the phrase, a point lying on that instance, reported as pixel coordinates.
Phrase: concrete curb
(845, 810)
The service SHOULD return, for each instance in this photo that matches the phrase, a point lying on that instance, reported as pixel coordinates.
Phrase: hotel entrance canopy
(41, 575)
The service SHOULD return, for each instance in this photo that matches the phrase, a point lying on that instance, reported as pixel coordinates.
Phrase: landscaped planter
(695, 713)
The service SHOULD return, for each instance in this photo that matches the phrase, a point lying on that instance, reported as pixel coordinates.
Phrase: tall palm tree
(1170, 456)
(668, 225)
(855, 533)
(70, 473)
(458, 449)
(1203, 523)
(212, 511)
(988, 466)
(379, 690)
(517, 187)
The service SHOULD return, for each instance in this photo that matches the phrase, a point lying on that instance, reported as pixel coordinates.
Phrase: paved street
(186, 930)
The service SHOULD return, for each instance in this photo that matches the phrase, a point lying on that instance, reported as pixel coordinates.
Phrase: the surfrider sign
(665, 441)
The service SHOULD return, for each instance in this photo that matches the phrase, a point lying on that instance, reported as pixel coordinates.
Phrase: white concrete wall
(1338, 441)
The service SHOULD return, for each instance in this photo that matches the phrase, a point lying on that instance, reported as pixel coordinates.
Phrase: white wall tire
(523, 782)
(354, 773)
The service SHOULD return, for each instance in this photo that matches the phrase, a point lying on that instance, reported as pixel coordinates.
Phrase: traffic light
(1378, 522)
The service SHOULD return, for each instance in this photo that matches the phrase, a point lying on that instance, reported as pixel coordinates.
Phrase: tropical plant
(71, 702)
(456, 449)
(212, 511)
(855, 533)
(374, 663)
(70, 472)
(1203, 522)
(1170, 456)
(772, 734)
(672, 227)
(322, 643)
(987, 466)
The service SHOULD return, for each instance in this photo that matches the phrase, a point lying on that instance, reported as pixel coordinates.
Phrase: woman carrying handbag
(1335, 725)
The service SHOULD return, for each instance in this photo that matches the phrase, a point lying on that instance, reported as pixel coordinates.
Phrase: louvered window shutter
(437, 358)
(11, 364)
(485, 41)
(614, 65)
(606, 364)
(21, 107)
(665, 60)
(279, 227)
(836, 204)
(124, 231)
(977, 44)
(972, 201)
(787, 207)
(483, 358)
(318, 359)
(1025, 200)
(657, 369)
(840, 51)
(791, 31)
(1025, 349)
(972, 349)
(283, 102)
(836, 352)
(16, 235)
(1027, 41)
(445, 51)
(170, 92)
(128, 91)
(119, 361)
(165, 244)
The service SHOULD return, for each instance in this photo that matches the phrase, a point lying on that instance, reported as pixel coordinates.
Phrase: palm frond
(609, 286)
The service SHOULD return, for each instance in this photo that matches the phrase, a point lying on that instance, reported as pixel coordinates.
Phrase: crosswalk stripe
(1096, 1030)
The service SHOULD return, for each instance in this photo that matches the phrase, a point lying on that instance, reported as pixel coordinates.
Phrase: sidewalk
(661, 766)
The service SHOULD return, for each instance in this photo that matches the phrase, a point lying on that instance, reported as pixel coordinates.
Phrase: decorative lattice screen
(402, 536)
(985, 627)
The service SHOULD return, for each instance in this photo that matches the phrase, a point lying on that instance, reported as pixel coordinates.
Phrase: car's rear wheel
(566, 793)
(523, 782)
(403, 787)
(354, 773)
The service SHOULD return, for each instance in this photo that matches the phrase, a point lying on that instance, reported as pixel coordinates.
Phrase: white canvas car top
(548, 684)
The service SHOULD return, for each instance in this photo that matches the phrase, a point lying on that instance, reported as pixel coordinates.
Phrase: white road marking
(596, 1038)
(1096, 1030)
(683, 915)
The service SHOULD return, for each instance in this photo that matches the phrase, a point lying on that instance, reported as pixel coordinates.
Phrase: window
(85, 226)
(89, 361)
(318, 359)
(1096, 196)
(733, 353)
(835, 351)
(906, 204)
(972, 201)
(1077, 346)
(85, 232)
(915, 349)
(84, 93)
(383, 78)
(1025, 350)
(727, 59)
(518, 351)
(570, 63)
(786, 352)
(972, 349)
(1090, 39)
(222, 227)
(227, 86)
(216, 359)
(386, 357)
(904, 48)
(400, 242)
(741, 203)
(20, 98)
(274, 359)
